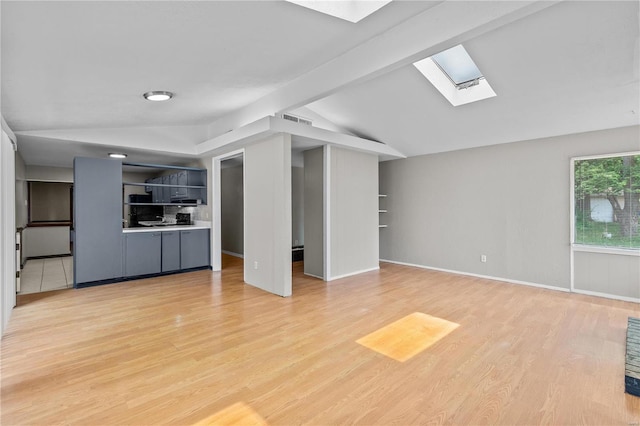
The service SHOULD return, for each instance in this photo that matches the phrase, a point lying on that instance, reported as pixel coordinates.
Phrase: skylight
(456, 76)
(349, 10)
(458, 65)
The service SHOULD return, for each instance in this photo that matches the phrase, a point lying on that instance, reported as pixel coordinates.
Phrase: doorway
(232, 209)
(46, 246)
(228, 209)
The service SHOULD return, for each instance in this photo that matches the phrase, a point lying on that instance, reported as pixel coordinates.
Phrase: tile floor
(40, 275)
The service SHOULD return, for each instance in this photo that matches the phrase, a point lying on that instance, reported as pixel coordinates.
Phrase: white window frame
(572, 216)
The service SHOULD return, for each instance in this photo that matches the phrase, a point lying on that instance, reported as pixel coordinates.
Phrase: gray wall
(509, 202)
(353, 217)
(268, 215)
(45, 241)
(608, 274)
(50, 201)
(314, 212)
(50, 174)
(297, 206)
(232, 205)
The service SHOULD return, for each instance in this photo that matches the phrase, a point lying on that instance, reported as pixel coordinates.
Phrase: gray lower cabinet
(194, 248)
(142, 253)
(170, 251)
(146, 253)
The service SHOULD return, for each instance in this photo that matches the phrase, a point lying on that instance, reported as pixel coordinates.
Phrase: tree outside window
(607, 201)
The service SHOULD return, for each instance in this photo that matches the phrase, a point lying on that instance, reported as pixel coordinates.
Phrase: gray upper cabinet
(174, 186)
(191, 186)
(180, 192)
(142, 253)
(97, 220)
(185, 186)
(194, 248)
(157, 192)
(166, 191)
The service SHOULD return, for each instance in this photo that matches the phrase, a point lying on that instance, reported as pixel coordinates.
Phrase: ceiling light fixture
(117, 155)
(158, 95)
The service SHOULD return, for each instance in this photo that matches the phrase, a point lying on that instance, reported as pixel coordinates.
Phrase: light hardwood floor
(181, 349)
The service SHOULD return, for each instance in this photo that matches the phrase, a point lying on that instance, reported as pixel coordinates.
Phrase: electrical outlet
(255, 265)
(483, 258)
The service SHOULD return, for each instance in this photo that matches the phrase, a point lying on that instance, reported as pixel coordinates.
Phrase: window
(458, 66)
(49, 202)
(456, 76)
(607, 201)
(349, 10)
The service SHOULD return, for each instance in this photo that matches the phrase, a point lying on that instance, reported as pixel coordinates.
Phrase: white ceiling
(570, 68)
(73, 73)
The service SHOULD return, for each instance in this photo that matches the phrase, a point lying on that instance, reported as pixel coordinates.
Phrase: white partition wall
(352, 223)
(267, 233)
(340, 212)
(7, 229)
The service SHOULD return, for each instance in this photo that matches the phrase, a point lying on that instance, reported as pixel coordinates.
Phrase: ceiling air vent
(295, 118)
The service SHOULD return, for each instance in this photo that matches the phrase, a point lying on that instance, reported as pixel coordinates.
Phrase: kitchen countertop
(163, 228)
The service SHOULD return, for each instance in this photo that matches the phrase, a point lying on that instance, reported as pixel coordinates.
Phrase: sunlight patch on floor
(236, 414)
(408, 336)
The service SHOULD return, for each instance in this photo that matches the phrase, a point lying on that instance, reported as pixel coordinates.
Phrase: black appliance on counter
(183, 219)
(143, 213)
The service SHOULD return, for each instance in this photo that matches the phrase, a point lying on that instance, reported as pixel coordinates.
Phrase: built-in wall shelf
(163, 204)
(163, 185)
(162, 166)
(381, 210)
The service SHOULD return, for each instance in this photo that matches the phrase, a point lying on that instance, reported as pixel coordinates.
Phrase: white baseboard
(606, 295)
(548, 287)
(469, 274)
(337, 277)
(230, 253)
(314, 276)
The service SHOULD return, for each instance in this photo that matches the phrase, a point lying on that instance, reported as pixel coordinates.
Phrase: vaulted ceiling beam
(429, 32)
